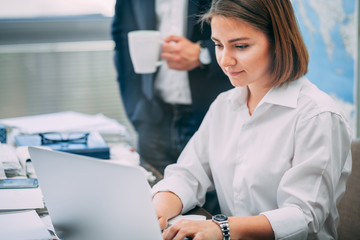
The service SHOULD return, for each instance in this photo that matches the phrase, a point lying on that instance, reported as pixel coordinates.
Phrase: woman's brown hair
(277, 20)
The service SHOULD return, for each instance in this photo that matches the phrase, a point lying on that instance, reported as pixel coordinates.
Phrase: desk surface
(158, 176)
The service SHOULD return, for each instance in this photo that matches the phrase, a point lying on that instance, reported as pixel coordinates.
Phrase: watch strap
(224, 226)
(222, 221)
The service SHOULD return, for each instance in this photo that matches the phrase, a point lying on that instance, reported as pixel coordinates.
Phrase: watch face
(220, 217)
(205, 57)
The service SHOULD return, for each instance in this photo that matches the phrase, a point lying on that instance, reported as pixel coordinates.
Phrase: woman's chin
(237, 83)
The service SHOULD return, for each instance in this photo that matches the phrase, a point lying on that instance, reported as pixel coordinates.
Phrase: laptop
(92, 199)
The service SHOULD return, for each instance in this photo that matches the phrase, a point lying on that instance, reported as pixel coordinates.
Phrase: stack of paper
(67, 122)
(12, 199)
(22, 225)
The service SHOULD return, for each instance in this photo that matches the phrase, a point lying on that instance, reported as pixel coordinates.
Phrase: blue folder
(94, 147)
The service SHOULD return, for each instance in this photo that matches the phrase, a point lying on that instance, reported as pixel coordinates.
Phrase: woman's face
(242, 52)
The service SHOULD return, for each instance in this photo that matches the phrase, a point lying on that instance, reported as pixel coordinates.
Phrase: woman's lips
(234, 73)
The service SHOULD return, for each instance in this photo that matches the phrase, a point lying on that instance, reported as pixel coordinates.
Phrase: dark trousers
(160, 144)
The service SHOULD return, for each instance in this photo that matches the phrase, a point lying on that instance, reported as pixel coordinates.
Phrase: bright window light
(51, 8)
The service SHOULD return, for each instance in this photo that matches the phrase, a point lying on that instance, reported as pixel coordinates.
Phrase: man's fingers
(169, 48)
(173, 38)
(170, 57)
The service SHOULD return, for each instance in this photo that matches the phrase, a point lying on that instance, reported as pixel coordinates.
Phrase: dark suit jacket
(137, 90)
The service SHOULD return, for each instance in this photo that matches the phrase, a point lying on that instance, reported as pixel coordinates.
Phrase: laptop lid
(93, 199)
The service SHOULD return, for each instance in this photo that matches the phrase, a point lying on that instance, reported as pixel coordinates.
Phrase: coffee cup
(145, 48)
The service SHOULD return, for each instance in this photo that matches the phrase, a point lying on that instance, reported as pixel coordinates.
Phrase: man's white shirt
(172, 85)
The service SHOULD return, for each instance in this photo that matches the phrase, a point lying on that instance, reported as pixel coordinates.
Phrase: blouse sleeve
(310, 189)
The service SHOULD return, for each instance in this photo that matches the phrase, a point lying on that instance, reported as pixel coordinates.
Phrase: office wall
(357, 73)
(55, 29)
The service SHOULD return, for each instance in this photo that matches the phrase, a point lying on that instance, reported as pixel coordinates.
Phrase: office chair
(349, 206)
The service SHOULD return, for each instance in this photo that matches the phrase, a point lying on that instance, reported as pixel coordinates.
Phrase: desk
(43, 212)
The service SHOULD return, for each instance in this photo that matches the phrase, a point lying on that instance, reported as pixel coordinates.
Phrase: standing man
(167, 107)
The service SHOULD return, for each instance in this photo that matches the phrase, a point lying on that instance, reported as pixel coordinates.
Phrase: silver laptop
(94, 199)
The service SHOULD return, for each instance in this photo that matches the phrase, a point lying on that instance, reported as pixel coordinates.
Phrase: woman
(275, 148)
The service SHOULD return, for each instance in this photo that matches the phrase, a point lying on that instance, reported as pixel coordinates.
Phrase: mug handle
(160, 62)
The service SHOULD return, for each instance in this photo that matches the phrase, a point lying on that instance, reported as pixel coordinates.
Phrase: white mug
(145, 48)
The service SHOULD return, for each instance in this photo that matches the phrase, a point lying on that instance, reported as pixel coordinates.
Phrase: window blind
(53, 77)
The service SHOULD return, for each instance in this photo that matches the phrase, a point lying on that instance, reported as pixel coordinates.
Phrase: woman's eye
(243, 46)
(217, 45)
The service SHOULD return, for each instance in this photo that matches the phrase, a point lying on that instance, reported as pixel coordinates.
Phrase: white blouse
(288, 161)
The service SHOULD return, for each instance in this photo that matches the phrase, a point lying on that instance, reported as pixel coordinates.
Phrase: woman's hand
(167, 205)
(197, 230)
(163, 222)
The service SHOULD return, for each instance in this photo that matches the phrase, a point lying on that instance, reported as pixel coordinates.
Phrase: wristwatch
(222, 221)
(204, 56)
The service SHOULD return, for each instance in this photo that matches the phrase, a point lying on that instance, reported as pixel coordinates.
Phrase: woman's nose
(227, 59)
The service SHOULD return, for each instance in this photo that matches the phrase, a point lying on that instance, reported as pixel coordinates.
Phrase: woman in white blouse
(275, 148)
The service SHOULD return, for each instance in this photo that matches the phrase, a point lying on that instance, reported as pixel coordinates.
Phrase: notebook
(92, 199)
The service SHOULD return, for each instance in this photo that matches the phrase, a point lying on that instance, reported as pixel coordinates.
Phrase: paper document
(64, 122)
(23, 225)
(13, 199)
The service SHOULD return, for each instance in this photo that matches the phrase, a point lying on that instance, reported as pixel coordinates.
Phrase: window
(57, 56)
(16, 9)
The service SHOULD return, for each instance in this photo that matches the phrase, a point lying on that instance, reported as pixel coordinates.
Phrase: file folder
(94, 147)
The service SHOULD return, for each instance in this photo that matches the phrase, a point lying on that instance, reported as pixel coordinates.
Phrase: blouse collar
(285, 95)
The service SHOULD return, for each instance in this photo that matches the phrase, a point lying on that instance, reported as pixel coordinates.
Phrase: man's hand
(180, 53)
